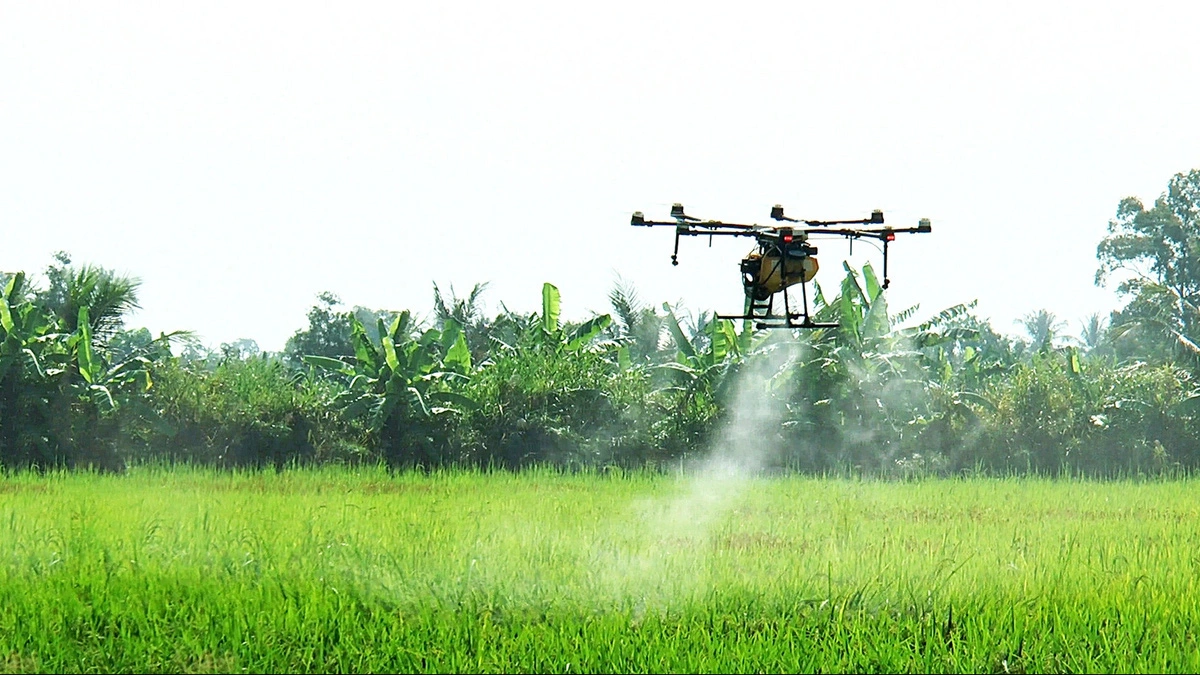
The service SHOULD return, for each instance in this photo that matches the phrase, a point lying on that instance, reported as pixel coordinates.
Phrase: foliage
(403, 386)
(106, 295)
(59, 385)
(1156, 252)
(329, 329)
(242, 412)
(468, 314)
(1059, 414)
(636, 326)
(554, 393)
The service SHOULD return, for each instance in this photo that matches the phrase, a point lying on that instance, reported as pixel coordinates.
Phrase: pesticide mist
(673, 535)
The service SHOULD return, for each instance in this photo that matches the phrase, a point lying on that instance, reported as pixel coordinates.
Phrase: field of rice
(361, 570)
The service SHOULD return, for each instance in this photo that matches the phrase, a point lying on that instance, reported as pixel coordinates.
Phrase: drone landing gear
(760, 312)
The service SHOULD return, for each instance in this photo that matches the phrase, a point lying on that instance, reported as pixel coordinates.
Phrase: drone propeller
(777, 214)
(678, 214)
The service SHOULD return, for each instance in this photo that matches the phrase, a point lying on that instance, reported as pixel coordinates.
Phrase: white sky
(242, 157)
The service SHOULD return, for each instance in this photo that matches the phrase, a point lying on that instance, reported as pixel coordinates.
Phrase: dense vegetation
(339, 570)
(640, 386)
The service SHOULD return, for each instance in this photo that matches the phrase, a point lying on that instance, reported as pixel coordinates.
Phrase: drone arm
(715, 228)
(883, 234)
(694, 229)
(827, 223)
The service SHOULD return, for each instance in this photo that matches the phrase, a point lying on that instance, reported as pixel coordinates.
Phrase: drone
(783, 257)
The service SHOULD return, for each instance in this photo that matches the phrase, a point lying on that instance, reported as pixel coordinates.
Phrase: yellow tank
(763, 277)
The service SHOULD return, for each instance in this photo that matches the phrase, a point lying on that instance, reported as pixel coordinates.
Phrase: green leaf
(731, 337)
(455, 399)
(681, 340)
(6, 320)
(389, 353)
(718, 343)
(364, 351)
(876, 322)
(89, 366)
(681, 367)
(399, 328)
(458, 356)
(587, 332)
(104, 393)
(550, 307)
(419, 359)
(451, 329)
(415, 395)
(623, 361)
(873, 286)
(819, 301)
(746, 337)
(853, 305)
(10, 289)
(850, 284)
(359, 406)
(328, 363)
(978, 399)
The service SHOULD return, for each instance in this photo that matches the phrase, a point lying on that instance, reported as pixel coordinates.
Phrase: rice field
(364, 571)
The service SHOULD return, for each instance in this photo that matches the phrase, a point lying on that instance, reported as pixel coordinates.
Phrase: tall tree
(1156, 254)
(328, 332)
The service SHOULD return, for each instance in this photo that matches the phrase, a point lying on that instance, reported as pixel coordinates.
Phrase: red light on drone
(787, 238)
(891, 236)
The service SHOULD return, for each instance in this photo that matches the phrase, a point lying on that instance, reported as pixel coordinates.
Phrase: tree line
(642, 385)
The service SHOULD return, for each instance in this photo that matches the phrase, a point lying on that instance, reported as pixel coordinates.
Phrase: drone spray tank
(770, 268)
(784, 257)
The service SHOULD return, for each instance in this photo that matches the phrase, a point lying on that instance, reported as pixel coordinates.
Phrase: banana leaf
(550, 307)
(89, 365)
(364, 352)
(587, 332)
(681, 340)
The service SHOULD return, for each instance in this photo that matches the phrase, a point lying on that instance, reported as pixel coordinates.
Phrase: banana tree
(550, 390)
(862, 388)
(57, 389)
(25, 332)
(28, 337)
(402, 385)
(705, 360)
(560, 338)
(699, 379)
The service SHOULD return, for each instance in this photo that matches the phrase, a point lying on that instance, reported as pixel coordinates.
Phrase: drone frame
(778, 242)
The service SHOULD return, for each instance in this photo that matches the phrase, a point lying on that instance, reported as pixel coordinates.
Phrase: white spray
(673, 536)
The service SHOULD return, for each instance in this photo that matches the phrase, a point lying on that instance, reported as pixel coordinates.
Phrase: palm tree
(468, 312)
(637, 324)
(1092, 331)
(1043, 328)
(108, 297)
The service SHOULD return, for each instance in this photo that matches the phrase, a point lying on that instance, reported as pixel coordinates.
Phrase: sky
(242, 157)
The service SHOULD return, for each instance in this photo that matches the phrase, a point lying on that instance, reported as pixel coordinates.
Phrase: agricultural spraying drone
(784, 257)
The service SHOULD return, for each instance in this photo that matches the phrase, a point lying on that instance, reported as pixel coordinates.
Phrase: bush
(253, 412)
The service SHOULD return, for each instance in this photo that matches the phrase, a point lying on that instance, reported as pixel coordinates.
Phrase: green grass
(340, 570)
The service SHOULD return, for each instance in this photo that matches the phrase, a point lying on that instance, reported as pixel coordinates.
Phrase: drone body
(783, 257)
